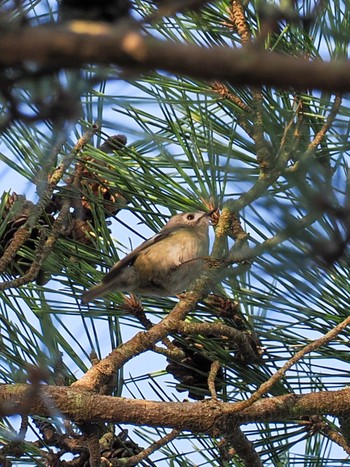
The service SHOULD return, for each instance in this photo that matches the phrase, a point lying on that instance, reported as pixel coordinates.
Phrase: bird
(164, 265)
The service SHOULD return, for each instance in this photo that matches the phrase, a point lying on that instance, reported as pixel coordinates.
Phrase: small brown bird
(166, 264)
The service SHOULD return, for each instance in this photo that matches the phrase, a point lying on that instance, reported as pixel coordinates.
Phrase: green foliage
(190, 146)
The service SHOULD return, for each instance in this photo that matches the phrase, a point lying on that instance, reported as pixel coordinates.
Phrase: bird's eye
(190, 217)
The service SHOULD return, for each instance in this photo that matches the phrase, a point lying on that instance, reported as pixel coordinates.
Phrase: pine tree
(117, 115)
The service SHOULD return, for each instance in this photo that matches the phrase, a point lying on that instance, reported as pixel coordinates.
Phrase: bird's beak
(208, 214)
(211, 212)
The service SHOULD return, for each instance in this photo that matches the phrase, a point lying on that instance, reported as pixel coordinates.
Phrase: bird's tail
(99, 290)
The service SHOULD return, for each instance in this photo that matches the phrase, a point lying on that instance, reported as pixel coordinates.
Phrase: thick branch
(103, 372)
(74, 44)
(211, 417)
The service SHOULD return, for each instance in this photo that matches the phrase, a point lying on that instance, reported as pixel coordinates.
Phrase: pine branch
(78, 43)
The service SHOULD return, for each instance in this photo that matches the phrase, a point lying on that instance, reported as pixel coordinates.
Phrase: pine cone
(193, 370)
(228, 309)
(15, 214)
(117, 447)
(92, 183)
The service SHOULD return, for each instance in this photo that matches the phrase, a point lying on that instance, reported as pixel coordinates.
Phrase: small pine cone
(113, 143)
(123, 447)
(112, 202)
(81, 232)
(15, 214)
(193, 370)
(226, 308)
(119, 447)
(92, 183)
(229, 310)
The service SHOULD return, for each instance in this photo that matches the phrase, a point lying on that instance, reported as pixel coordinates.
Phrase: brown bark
(212, 417)
(74, 44)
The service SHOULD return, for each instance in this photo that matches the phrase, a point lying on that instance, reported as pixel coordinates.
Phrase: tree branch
(103, 372)
(207, 416)
(77, 43)
(244, 448)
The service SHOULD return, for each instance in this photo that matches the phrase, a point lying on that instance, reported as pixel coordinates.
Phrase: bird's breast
(173, 262)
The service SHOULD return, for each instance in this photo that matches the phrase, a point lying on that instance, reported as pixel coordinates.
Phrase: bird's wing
(130, 258)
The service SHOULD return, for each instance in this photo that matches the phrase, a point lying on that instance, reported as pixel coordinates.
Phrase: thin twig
(91, 433)
(267, 385)
(23, 428)
(336, 437)
(327, 124)
(246, 253)
(317, 424)
(286, 133)
(69, 158)
(20, 237)
(241, 339)
(133, 306)
(134, 460)
(174, 353)
(214, 368)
